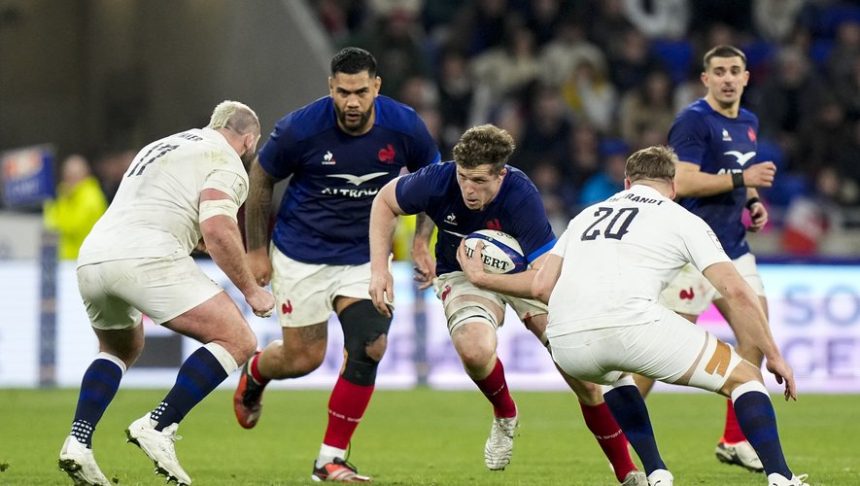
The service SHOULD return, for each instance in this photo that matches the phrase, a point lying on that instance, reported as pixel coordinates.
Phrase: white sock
(328, 453)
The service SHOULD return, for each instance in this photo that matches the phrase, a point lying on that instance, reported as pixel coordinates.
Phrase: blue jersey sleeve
(278, 157)
(689, 137)
(423, 150)
(415, 192)
(532, 228)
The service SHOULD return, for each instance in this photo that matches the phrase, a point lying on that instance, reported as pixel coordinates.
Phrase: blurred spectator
(583, 157)
(631, 61)
(811, 218)
(546, 129)
(455, 96)
(647, 108)
(568, 49)
(789, 98)
(775, 19)
(396, 39)
(607, 24)
(690, 90)
(822, 136)
(559, 199)
(79, 204)
(110, 169)
(480, 25)
(505, 69)
(591, 96)
(610, 179)
(659, 19)
(543, 19)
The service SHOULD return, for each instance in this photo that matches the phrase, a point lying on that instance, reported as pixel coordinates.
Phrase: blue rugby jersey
(517, 210)
(325, 212)
(719, 145)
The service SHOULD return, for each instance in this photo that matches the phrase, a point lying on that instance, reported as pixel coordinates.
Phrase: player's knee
(365, 339)
(476, 354)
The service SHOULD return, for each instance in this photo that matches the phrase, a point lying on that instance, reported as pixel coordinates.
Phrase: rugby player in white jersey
(179, 193)
(602, 281)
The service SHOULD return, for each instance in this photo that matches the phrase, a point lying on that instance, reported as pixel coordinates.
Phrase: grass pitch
(420, 437)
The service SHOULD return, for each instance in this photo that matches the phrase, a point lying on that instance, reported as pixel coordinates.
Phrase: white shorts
(117, 291)
(669, 350)
(462, 301)
(691, 293)
(305, 292)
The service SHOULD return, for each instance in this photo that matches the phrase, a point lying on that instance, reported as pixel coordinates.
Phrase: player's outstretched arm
(690, 181)
(383, 219)
(748, 317)
(224, 242)
(258, 210)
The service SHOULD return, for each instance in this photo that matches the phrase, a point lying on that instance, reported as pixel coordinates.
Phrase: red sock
(606, 430)
(732, 434)
(255, 371)
(496, 390)
(346, 406)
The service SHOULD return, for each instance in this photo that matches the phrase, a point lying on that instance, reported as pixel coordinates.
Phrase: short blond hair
(656, 162)
(236, 116)
(484, 144)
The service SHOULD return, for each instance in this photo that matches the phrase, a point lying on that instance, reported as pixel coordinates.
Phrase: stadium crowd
(581, 84)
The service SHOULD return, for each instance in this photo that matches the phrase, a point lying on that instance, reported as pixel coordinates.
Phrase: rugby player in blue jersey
(477, 191)
(716, 177)
(340, 150)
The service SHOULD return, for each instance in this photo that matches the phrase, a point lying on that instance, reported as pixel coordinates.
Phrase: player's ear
(704, 78)
(331, 86)
(503, 172)
(626, 183)
(377, 84)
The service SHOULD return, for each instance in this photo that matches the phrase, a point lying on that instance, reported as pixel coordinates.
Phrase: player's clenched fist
(760, 175)
(261, 301)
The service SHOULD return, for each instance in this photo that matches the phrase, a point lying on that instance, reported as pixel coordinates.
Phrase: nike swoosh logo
(741, 157)
(358, 180)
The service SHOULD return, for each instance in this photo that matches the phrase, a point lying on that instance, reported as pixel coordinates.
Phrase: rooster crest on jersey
(501, 253)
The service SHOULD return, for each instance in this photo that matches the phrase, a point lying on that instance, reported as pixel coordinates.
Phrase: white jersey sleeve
(561, 244)
(702, 244)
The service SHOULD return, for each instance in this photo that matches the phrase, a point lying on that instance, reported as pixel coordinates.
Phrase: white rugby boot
(660, 477)
(160, 447)
(500, 443)
(741, 454)
(776, 479)
(78, 462)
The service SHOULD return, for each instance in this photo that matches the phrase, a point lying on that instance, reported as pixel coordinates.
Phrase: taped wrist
(752, 201)
(738, 179)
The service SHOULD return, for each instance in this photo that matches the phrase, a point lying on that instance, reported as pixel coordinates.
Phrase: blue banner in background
(28, 176)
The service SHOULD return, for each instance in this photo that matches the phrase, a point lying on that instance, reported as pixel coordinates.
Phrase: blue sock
(758, 422)
(98, 387)
(198, 376)
(628, 408)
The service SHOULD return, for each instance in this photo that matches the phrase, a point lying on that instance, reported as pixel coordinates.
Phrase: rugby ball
(501, 252)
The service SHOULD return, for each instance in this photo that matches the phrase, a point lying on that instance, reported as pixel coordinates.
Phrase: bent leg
(228, 341)
(598, 418)
(365, 338)
(756, 417)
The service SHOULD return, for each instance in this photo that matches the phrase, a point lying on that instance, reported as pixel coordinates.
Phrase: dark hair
(353, 60)
(484, 144)
(655, 162)
(723, 51)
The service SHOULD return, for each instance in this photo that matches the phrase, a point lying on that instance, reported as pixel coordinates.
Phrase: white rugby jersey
(155, 211)
(619, 255)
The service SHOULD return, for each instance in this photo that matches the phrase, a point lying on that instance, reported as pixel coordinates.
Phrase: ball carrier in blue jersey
(340, 150)
(477, 191)
(717, 176)
(602, 281)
